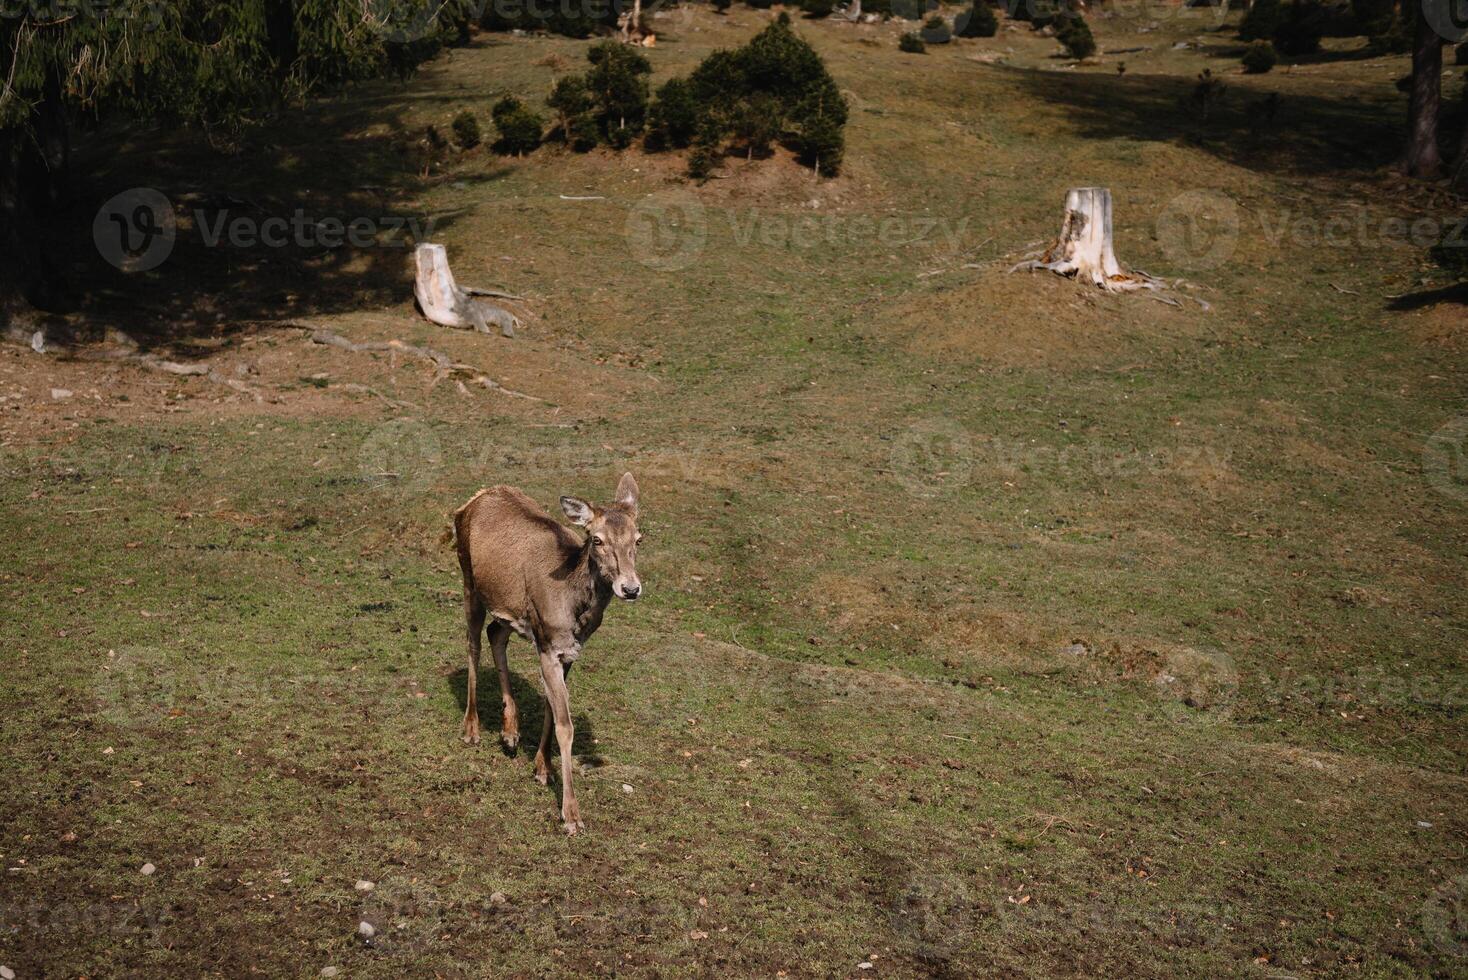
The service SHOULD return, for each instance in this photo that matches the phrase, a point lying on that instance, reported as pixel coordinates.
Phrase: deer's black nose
(631, 591)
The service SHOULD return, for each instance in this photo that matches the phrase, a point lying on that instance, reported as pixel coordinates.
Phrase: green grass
(849, 711)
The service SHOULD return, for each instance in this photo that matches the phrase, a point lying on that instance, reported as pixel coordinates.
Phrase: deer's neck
(589, 594)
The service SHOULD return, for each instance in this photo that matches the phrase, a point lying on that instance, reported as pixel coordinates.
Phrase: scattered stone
(6, 973)
(366, 930)
(330, 971)
(148, 869)
(1077, 648)
(363, 885)
(499, 898)
(864, 965)
(1425, 825)
(626, 788)
(58, 394)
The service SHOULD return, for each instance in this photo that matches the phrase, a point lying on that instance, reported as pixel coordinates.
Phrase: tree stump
(1084, 250)
(448, 304)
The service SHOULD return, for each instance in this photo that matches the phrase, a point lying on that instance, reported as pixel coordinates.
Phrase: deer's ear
(577, 510)
(627, 492)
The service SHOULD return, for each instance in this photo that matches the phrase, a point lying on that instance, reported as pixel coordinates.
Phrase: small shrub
(911, 9)
(617, 84)
(1260, 23)
(936, 30)
(1259, 57)
(466, 130)
(519, 127)
(722, 6)
(816, 9)
(912, 43)
(573, 105)
(977, 21)
(1460, 54)
(1300, 28)
(706, 150)
(1044, 13)
(1073, 32)
(1208, 92)
(1373, 17)
(1451, 252)
(673, 119)
(757, 124)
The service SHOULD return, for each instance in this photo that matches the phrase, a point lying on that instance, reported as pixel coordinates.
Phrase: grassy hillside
(993, 625)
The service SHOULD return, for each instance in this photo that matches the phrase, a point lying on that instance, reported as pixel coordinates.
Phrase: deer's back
(508, 545)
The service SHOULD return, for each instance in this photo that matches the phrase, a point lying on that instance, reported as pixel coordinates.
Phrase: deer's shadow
(531, 706)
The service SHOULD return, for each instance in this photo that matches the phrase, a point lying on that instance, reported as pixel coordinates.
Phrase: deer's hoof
(510, 740)
(573, 827)
(471, 738)
(542, 776)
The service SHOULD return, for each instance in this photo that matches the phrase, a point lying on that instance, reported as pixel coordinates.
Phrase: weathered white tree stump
(448, 304)
(1084, 250)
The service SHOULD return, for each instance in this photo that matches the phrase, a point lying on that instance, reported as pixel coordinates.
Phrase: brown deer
(525, 572)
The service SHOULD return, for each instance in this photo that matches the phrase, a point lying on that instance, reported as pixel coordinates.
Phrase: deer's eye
(637, 540)
(596, 540)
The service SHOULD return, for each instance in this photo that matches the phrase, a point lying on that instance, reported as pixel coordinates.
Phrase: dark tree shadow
(1456, 293)
(352, 157)
(1307, 134)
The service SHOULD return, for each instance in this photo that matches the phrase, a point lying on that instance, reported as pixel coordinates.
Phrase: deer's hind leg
(499, 640)
(474, 613)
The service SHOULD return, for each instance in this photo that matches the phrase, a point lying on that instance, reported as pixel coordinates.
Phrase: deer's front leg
(554, 662)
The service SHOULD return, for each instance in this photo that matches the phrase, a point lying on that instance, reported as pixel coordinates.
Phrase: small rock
(57, 394)
(38, 344)
(864, 965)
(7, 973)
(148, 869)
(366, 930)
(499, 898)
(330, 971)
(363, 885)
(626, 788)
(1425, 825)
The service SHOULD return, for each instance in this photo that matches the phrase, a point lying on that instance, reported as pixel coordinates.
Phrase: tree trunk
(1421, 157)
(447, 303)
(1084, 250)
(281, 39)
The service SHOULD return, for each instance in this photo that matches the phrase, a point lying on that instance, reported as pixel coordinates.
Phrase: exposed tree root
(446, 366)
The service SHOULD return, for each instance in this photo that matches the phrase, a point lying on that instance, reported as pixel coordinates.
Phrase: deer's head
(612, 536)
